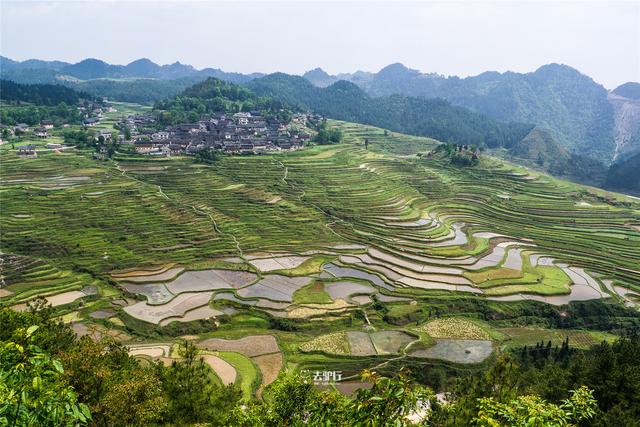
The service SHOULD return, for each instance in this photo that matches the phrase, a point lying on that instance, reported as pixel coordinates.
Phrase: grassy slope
(136, 211)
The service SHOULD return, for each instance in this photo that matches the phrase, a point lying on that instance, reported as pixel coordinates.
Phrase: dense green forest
(50, 378)
(142, 91)
(32, 103)
(570, 105)
(625, 174)
(215, 95)
(32, 115)
(435, 118)
(41, 94)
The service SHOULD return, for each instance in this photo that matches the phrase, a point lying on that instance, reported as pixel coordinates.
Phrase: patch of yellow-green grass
(423, 342)
(526, 278)
(336, 343)
(116, 321)
(476, 246)
(325, 153)
(492, 274)
(74, 316)
(248, 374)
(549, 281)
(311, 266)
(313, 293)
(554, 276)
(397, 310)
(454, 328)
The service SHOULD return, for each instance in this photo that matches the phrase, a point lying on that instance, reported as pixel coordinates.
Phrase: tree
(533, 411)
(32, 392)
(193, 397)
(327, 135)
(206, 155)
(52, 336)
(127, 133)
(119, 391)
(293, 400)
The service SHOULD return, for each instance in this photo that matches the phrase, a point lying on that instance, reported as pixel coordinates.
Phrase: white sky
(601, 39)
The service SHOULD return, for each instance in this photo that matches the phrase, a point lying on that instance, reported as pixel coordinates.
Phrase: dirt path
(302, 195)
(197, 210)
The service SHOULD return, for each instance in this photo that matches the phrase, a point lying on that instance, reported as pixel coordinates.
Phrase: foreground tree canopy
(48, 379)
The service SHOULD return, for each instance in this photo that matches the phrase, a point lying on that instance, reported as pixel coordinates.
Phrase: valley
(335, 257)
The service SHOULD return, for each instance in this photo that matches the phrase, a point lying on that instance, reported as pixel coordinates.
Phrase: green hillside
(434, 118)
(333, 258)
(556, 97)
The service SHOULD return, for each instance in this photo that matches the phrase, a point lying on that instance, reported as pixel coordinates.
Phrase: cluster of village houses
(91, 116)
(244, 132)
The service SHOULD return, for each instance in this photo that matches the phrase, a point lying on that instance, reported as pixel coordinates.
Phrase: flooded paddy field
(396, 244)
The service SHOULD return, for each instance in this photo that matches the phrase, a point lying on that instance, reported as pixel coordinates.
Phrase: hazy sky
(601, 39)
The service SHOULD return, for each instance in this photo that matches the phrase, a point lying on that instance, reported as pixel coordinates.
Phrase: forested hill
(625, 174)
(41, 94)
(629, 90)
(567, 103)
(434, 118)
(215, 95)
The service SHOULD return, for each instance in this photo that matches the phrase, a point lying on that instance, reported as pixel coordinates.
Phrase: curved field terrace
(330, 257)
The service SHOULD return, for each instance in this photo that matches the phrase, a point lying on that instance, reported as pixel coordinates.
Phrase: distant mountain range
(89, 69)
(435, 118)
(580, 114)
(574, 118)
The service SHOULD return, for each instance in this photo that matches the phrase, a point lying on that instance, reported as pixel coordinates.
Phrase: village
(242, 132)
(235, 133)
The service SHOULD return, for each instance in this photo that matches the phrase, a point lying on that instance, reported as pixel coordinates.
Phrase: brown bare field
(222, 368)
(251, 346)
(270, 366)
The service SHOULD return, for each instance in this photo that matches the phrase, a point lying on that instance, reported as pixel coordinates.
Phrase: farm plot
(223, 369)
(275, 287)
(278, 263)
(206, 280)
(454, 328)
(257, 359)
(177, 307)
(360, 344)
(344, 290)
(270, 366)
(150, 350)
(250, 346)
(391, 342)
(248, 374)
(357, 343)
(156, 293)
(532, 336)
(313, 293)
(336, 343)
(142, 276)
(204, 312)
(457, 351)
(346, 272)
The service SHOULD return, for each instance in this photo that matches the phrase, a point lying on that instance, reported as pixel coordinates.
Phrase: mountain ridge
(578, 111)
(93, 68)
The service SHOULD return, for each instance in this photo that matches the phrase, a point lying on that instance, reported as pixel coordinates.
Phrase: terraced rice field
(533, 336)
(357, 343)
(310, 236)
(457, 351)
(454, 328)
